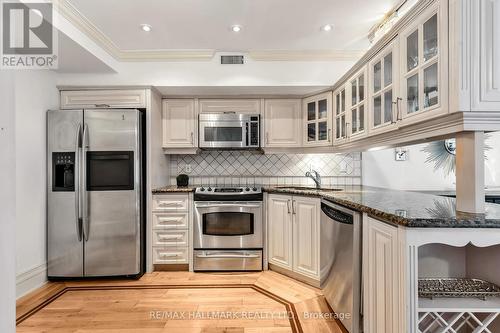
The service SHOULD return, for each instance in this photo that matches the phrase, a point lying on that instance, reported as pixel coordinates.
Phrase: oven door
(228, 225)
(223, 134)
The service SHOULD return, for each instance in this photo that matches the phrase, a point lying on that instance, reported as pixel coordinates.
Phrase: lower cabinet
(170, 236)
(293, 234)
(381, 276)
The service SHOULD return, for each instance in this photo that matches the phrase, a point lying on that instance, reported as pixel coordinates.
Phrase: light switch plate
(401, 154)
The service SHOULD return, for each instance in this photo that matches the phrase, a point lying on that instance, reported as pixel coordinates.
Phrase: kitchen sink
(305, 188)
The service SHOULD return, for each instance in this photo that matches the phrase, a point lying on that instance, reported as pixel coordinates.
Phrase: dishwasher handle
(337, 215)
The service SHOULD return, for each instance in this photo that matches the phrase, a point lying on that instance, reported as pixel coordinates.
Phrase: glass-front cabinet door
(317, 120)
(383, 87)
(356, 121)
(340, 115)
(423, 66)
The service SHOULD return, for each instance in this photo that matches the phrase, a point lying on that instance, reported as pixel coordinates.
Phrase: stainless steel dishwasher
(342, 287)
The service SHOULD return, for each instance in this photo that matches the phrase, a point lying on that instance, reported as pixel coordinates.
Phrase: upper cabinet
(317, 115)
(282, 123)
(357, 105)
(250, 106)
(340, 115)
(384, 89)
(179, 121)
(424, 65)
(108, 98)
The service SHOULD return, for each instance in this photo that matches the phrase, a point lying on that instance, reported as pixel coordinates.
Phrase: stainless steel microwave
(229, 130)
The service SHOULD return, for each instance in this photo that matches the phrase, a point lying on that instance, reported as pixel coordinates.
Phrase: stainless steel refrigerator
(95, 193)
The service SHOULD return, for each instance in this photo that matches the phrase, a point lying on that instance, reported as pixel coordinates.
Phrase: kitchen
(256, 172)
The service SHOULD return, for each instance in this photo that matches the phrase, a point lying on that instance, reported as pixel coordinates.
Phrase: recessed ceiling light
(146, 27)
(327, 27)
(236, 28)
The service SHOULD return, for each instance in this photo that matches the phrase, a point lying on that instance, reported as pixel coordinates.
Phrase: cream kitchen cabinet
(381, 277)
(384, 94)
(423, 62)
(282, 123)
(248, 106)
(293, 234)
(356, 119)
(179, 123)
(279, 216)
(317, 115)
(306, 231)
(171, 222)
(340, 115)
(103, 98)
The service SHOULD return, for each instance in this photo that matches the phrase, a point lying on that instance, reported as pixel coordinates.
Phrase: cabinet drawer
(170, 220)
(176, 238)
(170, 202)
(163, 255)
(103, 99)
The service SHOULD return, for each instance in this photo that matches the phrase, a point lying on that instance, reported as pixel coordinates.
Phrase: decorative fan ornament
(442, 154)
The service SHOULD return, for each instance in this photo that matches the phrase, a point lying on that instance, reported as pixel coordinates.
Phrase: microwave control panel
(254, 131)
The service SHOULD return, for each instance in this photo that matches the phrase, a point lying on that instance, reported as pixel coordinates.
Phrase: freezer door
(112, 196)
(64, 238)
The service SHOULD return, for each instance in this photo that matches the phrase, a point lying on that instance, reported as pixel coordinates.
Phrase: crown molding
(306, 55)
(75, 17)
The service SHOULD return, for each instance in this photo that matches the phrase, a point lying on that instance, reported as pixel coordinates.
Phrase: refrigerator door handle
(77, 183)
(85, 213)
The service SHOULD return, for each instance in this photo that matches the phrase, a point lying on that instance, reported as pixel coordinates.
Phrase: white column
(7, 203)
(470, 172)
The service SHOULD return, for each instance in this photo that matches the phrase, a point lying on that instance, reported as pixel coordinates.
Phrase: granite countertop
(405, 208)
(410, 209)
(173, 189)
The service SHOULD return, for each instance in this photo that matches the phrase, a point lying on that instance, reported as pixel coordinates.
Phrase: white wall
(35, 92)
(380, 169)
(7, 203)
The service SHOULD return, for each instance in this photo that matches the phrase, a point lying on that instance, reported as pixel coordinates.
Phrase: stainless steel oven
(228, 229)
(229, 130)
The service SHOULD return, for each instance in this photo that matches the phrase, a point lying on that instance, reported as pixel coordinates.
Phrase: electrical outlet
(187, 168)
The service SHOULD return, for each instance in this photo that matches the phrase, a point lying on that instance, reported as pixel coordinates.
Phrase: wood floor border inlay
(289, 306)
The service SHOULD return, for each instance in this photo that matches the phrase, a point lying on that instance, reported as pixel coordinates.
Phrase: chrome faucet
(316, 177)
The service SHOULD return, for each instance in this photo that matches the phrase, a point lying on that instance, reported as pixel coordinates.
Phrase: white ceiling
(205, 24)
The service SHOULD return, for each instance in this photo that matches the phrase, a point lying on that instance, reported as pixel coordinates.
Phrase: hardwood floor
(177, 302)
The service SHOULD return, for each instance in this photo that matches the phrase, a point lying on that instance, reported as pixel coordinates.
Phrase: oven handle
(227, 255)
(198, 205)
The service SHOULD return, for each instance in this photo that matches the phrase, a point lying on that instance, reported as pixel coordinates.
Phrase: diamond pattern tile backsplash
(246, 167)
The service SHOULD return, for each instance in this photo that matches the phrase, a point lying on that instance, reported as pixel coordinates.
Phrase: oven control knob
(209, 189)
(202, 189)
(247, 189)
(254, 189)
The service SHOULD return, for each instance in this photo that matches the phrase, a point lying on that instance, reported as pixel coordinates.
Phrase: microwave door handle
(247, 135)
(85, 213)
(78, 211)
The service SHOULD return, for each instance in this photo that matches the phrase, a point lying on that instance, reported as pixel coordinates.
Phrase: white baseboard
(30, 280)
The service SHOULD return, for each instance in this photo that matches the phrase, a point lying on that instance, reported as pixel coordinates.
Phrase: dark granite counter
(173, 189)
(410, 209)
